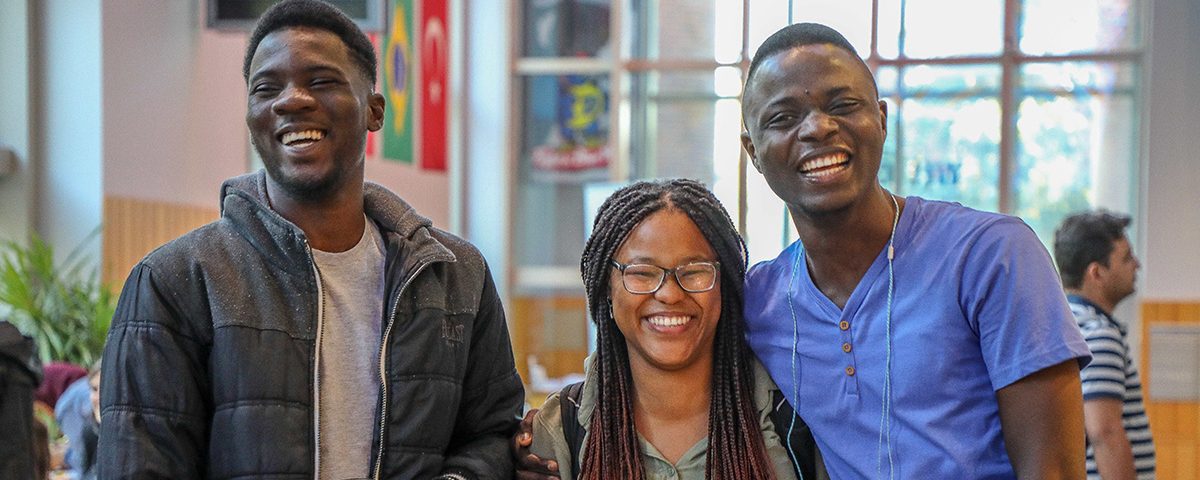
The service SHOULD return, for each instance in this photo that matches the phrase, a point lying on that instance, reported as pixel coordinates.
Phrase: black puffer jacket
(209, 366)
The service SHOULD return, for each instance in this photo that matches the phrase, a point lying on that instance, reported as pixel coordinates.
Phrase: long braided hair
(736, 450)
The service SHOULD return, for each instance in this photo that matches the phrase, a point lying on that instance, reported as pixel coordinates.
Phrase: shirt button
(850, 371)
(844, 325)
(846, 347)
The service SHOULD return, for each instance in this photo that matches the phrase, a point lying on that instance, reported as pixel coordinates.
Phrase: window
(1027, 107)
(1037, 127)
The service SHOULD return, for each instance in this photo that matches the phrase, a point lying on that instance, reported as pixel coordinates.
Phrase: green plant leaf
(63, 306)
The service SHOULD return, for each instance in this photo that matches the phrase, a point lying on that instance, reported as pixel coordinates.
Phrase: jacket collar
(244, 203)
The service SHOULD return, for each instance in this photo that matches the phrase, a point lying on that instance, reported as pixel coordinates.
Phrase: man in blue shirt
(1098, 270)
(917, 338)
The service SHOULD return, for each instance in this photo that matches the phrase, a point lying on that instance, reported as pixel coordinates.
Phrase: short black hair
(314, 14)
(799, 35)
(1083, 238)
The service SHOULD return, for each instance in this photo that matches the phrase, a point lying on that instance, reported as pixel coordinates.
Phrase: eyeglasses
(641, 278)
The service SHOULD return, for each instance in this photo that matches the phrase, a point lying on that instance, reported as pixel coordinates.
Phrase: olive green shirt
(549, 441)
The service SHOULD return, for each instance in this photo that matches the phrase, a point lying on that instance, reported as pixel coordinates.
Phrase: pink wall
(173, 103)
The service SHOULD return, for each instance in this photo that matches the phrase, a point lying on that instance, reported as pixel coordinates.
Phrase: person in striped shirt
(1098, 270)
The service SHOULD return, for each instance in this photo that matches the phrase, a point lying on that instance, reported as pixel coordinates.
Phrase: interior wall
(16, 189)
(174, 103)
(68, 124)
(1170, 284)
(1171, 226)
(173, 128)
(134, 227)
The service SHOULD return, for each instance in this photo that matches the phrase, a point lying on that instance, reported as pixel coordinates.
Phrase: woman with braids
(672, 390)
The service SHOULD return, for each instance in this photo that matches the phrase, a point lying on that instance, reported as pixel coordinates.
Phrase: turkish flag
(434, 83)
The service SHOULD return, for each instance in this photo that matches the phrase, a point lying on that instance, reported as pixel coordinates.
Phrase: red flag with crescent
(434, 83)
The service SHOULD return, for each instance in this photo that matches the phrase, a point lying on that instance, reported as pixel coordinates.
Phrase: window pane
(951, 150)
(564, 144)
(950, 28)
(887, 166)
(687, 29)
(950, 134)
(889, 29)
(768, 226)
(852, 19)
(766, 17)
(566, 28)
(687, 124)
(955, 81)
(1069, 77)
(1074, 26)
(887, 79)
(1075, 147)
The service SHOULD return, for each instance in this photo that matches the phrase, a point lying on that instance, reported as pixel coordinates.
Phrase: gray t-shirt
(348, 373)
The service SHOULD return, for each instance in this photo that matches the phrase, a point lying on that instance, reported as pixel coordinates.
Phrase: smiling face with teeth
(670, 329)
(815, 128)
(309, 109)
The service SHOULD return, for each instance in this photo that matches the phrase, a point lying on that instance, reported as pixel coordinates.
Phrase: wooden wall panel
(552, 328)
(1175, 425)
(134, 227)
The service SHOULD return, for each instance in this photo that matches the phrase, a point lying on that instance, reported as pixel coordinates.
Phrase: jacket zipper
(317, 366)
(383, 386)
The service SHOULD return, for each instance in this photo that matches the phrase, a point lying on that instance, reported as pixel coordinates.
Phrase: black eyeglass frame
(662, 278)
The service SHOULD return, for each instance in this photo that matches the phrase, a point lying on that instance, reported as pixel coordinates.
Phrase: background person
(56, 378)
(1098, 271)
(78, 416)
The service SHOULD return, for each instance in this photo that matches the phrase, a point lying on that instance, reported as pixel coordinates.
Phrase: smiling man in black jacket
(321, 328)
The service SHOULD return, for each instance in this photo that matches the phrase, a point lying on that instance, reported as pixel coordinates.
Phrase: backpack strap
(801, 442)
(568, 401)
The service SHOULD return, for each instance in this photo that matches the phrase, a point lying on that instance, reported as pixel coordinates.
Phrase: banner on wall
(397, 85)
(576, 146)
(435, 61)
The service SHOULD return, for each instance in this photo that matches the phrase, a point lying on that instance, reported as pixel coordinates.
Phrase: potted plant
(63, 307)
